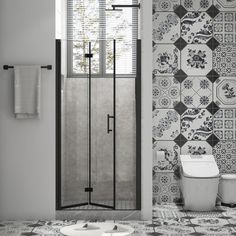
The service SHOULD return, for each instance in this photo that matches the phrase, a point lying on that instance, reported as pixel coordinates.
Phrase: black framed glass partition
(98, 130)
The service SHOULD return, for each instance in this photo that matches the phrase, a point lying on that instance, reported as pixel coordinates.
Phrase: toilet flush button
(196, 156)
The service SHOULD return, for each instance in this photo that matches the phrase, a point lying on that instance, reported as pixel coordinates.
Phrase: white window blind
(89, 21)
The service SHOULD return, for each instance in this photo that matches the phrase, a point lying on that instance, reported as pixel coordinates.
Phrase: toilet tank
(199, 166)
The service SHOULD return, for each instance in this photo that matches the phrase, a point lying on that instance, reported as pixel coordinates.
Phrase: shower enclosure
(98, 126)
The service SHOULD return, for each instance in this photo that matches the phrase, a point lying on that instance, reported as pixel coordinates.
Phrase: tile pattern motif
(194, 86)
(168, 219)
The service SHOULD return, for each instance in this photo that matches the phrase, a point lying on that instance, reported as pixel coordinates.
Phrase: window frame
(102, 47)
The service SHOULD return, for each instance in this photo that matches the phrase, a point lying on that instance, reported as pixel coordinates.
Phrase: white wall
(27, 147)
(146, 36)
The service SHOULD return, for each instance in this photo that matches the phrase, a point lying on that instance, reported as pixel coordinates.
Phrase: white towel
(27, 86)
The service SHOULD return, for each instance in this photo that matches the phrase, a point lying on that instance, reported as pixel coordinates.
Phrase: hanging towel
(27, 86)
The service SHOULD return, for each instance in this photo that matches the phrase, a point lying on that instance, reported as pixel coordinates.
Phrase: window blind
(90, 20)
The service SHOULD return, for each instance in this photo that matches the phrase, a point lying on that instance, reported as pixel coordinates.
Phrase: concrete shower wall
(75, 139)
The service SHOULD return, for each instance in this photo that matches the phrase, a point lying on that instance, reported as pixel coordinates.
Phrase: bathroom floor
(167, 220)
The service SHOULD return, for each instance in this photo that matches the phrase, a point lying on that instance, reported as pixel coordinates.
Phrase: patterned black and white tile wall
(194, 87)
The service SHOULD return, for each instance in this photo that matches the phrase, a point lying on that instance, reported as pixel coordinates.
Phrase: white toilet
(199, 182)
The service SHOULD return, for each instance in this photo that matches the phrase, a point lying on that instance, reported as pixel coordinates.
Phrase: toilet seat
(228, 176)
(199, 166)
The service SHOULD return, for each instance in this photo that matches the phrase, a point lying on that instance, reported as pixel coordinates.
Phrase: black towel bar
(48, 67)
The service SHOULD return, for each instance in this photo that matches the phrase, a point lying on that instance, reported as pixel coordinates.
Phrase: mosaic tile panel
(196, 92)
(165, 5)
(193, 5)
(165, 124)
(224, 59)
(196, 124)
(196, 27)
(196, 60)
(225, 155)
(194, 51)
(224, 124)
(171, 158)
(165, 188)
(224, 27)
(165, 92)
(225, 5)
(196, 148)
(166, 60)
(225, 92)
(166, 27)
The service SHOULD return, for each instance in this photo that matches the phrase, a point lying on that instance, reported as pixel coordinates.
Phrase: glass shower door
(101, 169)
(88, 110)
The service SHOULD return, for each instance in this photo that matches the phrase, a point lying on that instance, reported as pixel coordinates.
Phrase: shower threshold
(120, 205)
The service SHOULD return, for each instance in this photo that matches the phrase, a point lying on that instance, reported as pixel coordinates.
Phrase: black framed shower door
(93, 176)
(97, 159)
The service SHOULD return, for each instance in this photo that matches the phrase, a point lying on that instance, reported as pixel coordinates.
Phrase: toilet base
(199, 194)
(231, 205)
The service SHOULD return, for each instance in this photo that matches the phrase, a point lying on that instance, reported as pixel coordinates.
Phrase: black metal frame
(58, 124)
(138, 100)
(138, 131)
(114, 6)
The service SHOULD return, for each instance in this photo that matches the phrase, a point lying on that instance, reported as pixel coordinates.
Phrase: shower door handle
(108, 123)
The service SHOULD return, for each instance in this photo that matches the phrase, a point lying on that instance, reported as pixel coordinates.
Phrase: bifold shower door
(92, 173)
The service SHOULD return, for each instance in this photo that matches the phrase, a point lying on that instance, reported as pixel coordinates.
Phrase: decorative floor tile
(166, 92)
(171, 159)
(196, 148)
(225, 5)
(224, 27)
(225, 155)
(225, 92)
(196, 92)
(166, 60)
(224, 124)
(193, 5)
(168, 211)
(175, 230)
(204, 214)
(196, 124)
(165, 124)
(166, 27)
(224, 59)
(215, 230)
(196, 60)
(196, 27)
(165, 5)
(165, 188)
(209, 221)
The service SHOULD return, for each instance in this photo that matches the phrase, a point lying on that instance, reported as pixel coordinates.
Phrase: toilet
(199, 182)
(227, 189)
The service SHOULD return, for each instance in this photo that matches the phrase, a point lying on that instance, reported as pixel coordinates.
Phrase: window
(89, 21)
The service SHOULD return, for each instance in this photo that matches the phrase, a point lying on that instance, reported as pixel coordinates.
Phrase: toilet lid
(199, 167)
(200, 170)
